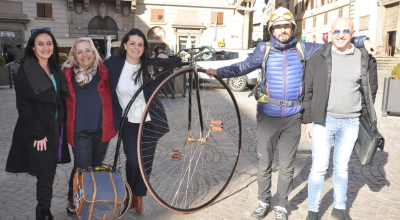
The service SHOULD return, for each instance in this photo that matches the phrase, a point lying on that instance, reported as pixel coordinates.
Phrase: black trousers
(129, 140)
(44, 185)
(89, 150)
(44, 191)
(271, 131)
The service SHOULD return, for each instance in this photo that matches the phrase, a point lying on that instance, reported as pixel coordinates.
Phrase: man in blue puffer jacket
(279, 119)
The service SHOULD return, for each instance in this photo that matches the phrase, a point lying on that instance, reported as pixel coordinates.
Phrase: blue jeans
(345, 133)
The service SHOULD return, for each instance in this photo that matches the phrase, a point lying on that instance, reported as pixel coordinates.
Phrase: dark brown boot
(138, 200)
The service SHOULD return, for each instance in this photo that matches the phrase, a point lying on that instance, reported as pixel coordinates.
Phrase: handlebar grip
(220, 52)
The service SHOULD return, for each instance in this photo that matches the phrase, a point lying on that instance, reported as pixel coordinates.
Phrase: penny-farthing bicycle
(190, 165)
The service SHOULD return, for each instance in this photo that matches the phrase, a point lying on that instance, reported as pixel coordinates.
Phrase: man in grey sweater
(336, 95)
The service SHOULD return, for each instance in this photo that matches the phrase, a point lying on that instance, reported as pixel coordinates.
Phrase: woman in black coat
(39, 142)
(128, 70)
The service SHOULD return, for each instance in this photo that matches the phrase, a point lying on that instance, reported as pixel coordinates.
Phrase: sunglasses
(38, 29)
(287, 16)
(345, 32)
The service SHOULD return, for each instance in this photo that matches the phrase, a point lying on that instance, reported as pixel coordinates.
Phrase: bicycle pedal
(176, 154)
(217, 126)
(217, 129)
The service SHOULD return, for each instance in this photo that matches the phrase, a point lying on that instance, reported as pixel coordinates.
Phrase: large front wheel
(185, 168)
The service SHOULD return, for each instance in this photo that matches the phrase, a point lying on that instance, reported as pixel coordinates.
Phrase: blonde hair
(72, 61)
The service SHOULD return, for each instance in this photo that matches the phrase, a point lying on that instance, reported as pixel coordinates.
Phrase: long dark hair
(143, 59)
(30, 53)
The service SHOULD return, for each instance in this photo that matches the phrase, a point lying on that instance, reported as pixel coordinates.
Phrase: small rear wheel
(128, 201)
(238, 84)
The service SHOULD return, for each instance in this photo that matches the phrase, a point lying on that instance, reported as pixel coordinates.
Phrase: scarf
(81, 78)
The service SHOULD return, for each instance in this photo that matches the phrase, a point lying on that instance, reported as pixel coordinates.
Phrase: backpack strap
(300, 53)
(267, 50)
(257, 89)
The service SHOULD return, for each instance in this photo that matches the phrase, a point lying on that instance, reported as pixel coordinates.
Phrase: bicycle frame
(193, 63)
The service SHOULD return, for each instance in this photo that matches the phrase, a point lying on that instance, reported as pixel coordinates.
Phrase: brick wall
(391, 18)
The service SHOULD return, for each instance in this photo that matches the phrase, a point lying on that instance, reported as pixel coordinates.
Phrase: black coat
(318, 82)
(37, 102)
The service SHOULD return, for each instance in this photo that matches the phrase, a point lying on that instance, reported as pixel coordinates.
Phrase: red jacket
(105, 95)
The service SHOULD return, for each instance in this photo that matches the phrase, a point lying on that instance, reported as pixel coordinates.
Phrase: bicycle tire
(128, 197)
(200, 173)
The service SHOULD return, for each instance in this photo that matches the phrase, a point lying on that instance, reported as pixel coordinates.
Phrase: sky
(259, 6)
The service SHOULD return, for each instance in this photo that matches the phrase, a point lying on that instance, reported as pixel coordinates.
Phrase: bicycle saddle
(169, 63)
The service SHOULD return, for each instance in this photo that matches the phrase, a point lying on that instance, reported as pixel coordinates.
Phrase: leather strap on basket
(115, 195)
(94, 195)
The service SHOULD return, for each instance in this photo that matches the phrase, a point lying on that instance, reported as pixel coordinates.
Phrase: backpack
(260, 97)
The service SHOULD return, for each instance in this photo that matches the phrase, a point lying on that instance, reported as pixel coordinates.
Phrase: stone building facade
(387, 37)
(315, 17)
(175, 23)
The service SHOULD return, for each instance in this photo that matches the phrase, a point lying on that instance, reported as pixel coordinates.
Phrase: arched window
(156, 33)
(102, 26)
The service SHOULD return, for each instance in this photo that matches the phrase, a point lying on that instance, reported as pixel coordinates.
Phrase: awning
(66, 42)
(115, 43)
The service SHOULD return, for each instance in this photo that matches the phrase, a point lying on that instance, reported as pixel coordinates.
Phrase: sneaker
(71, 209)
(340, 214)
(261, 211)
(280, 213)
(312, 215)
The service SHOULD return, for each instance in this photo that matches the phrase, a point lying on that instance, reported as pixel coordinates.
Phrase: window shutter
(48, 10)
(322, 2)
(340, 12)
(160, 15)
(314, 21)
(40, 9)
(326, 18)
(154, 15)
(214, 17)
(312, 4)
(220, 18)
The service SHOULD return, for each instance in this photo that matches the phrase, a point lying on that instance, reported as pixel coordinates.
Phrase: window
(325, 18)
(44, 10)
(287, 6)
(322, 2)
(157, 15)
(226, 56)
(217, 17)
(304, 24)
(340, 12)
(364, 23)
(295, 7)
(312, 4)
(314, 21)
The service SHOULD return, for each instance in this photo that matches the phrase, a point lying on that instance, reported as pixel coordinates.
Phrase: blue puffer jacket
(284, 73)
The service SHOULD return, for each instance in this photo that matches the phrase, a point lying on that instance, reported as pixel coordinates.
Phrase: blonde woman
(90, 125)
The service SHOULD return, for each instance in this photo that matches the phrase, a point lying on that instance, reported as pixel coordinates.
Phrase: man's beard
(283, 38)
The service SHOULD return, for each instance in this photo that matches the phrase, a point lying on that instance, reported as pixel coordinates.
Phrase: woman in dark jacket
(90, 125)
(38, 142)
(127, 72)
(157, 51)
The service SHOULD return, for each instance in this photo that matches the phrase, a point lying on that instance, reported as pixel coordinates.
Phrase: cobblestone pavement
(373, 191)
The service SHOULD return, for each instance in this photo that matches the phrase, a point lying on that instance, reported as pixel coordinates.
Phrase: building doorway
(99, 28)
(391, 48)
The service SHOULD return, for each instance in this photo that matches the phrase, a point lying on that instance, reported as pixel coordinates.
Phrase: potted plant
(4, 73)
(391, 89)
(62, 57)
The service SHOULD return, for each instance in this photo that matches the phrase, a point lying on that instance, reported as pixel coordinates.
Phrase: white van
(231, 56)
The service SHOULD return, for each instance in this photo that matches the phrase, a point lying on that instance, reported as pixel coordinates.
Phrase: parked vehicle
(231, 56)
